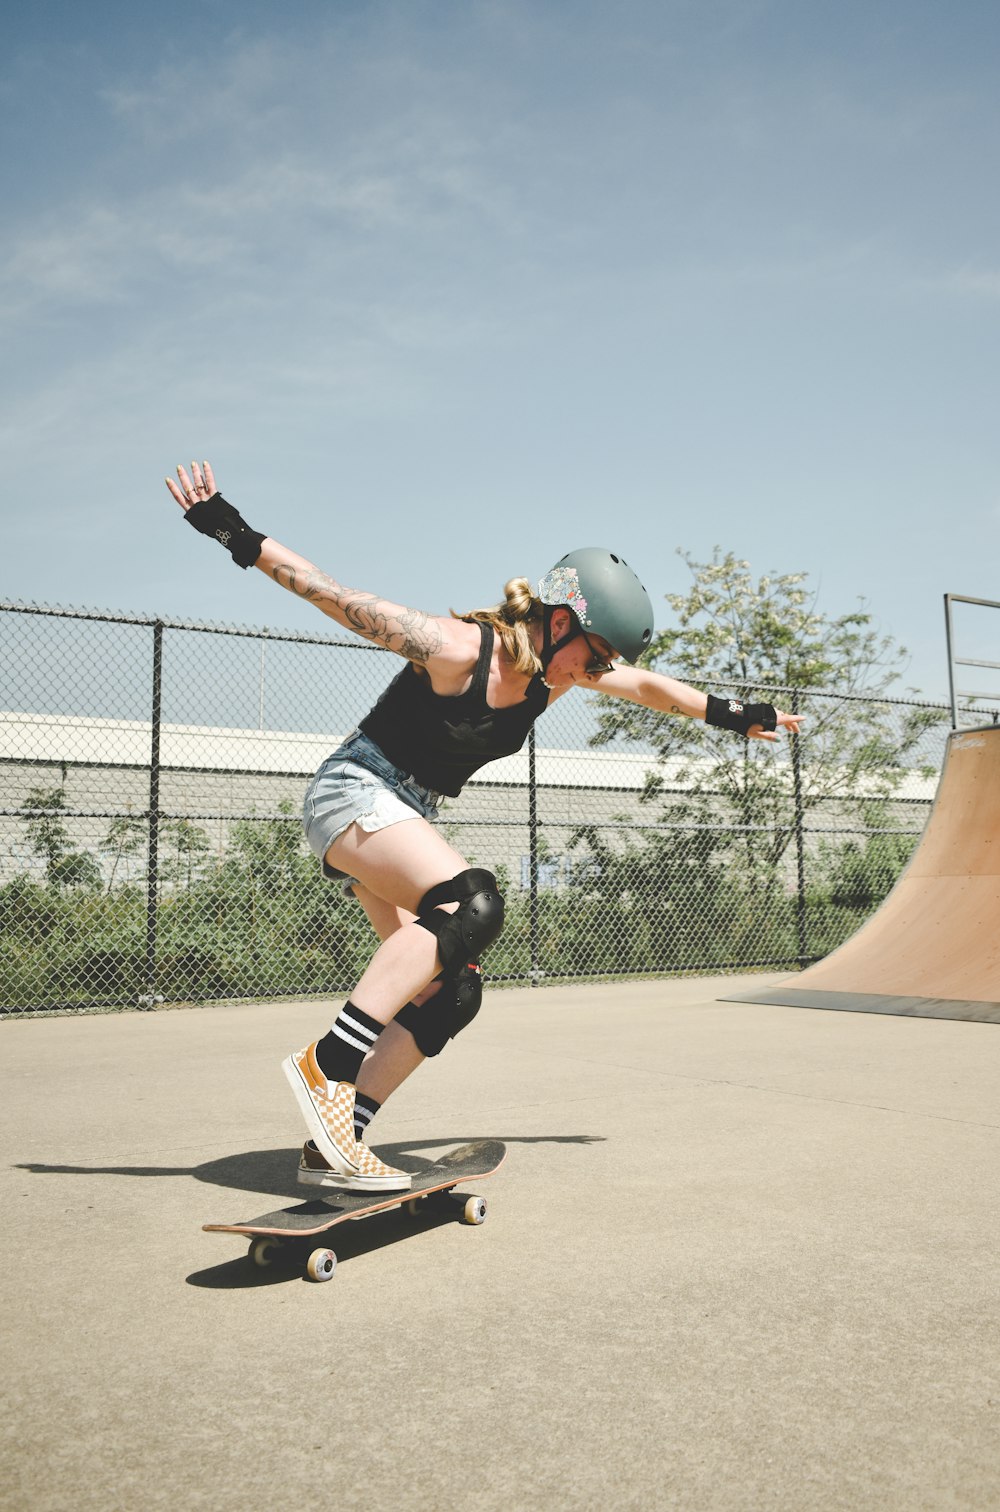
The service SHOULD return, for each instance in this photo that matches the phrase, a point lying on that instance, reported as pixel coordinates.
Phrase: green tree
(47, 834)
(859, 876)
(76, 869)
(49, 839)
(126, 833)
(270, 851)
(189, 846)
(753, 635)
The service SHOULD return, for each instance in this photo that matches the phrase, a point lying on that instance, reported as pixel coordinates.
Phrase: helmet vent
(613, 557)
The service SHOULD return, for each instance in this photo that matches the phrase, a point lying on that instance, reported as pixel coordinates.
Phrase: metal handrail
(960, 661)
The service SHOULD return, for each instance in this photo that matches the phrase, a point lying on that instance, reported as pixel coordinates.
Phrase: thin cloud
(270, 211)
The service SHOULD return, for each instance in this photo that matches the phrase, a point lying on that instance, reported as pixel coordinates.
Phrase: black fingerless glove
(215, 517)
(734, 714)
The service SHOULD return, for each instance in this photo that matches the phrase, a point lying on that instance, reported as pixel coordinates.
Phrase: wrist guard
(216, 517)
(734, 714)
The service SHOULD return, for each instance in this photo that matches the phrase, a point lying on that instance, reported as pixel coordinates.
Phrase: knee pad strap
(447, 1013)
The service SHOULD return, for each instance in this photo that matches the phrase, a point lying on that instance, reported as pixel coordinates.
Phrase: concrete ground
(739, 1257)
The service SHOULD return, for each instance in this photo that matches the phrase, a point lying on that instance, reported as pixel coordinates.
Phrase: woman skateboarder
(472, 687)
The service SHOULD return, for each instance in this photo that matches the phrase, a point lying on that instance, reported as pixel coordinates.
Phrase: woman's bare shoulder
(458, 646)
(460, 639)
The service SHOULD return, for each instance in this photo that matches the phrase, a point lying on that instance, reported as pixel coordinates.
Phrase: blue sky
(446, 289)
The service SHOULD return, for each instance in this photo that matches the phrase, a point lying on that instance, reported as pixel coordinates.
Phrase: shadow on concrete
(352, 1240)
(272, 1172)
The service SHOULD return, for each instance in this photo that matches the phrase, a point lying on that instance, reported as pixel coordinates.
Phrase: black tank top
(441, 741)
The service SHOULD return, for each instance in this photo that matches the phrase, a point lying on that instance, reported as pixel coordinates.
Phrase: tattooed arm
(409, 632)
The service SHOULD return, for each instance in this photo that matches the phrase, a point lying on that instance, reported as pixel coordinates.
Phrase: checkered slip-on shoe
(328, 1109)
(373, 1176)
(317, 1172)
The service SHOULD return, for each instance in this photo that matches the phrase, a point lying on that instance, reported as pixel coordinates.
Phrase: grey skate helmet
(605, 596)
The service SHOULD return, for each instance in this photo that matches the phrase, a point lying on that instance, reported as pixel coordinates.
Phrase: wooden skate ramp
(933, 948)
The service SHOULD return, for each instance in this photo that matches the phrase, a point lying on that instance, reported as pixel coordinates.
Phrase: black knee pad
(447, 1013)
(462, 936)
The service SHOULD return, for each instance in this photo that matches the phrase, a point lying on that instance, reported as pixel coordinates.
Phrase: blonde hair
(512, 621)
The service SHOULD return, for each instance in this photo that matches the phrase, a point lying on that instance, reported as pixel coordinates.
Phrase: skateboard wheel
(264, 1252)
(321, 1265)
(474, 1210)
(415, 1206)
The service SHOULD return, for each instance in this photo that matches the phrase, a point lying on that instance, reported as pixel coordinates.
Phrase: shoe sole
(341, 1165)
(334, 1182)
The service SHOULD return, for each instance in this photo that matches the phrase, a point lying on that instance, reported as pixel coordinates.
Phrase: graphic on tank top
(442, 740)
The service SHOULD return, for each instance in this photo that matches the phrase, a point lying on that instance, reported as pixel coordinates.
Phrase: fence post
(152, 870)
(800, 852)
(533, 861)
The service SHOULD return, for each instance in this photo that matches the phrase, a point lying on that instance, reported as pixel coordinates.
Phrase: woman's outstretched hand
(789, 722)
(200, 485)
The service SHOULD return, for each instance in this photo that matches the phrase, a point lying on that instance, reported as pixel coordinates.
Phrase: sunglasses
(597, 663)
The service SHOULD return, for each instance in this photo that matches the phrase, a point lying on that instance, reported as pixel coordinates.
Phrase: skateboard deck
(432, 1189)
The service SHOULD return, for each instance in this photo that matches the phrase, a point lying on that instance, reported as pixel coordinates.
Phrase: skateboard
(433, 1190)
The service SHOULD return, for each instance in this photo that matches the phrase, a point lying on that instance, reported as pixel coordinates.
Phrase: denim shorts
(358, 784)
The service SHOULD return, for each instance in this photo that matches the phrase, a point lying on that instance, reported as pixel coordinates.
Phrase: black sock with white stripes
(339, 1054)
(365, 1109)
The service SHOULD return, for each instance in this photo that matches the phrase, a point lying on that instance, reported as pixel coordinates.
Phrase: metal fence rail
(151, 846)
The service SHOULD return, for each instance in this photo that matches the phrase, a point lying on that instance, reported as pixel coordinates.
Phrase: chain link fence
(151, 847)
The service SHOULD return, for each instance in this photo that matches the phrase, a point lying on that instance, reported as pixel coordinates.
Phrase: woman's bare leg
(398, 865)
(385, 1068)
(395, 1056)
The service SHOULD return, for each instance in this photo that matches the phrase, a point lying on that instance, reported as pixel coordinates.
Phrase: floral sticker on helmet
(562, 586)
